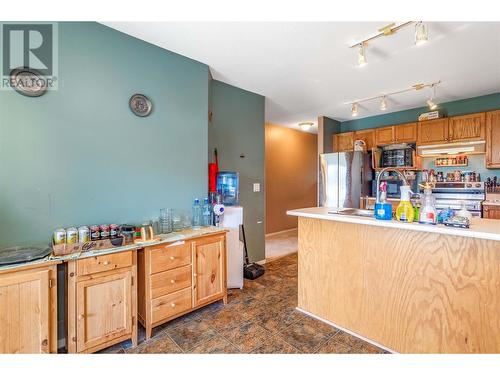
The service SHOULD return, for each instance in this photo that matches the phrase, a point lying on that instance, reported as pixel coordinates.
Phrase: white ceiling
(307, 69)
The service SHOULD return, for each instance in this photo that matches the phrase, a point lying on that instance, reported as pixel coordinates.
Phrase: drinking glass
(165, 221)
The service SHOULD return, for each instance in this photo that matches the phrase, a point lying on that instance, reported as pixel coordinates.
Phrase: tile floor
(261, 318)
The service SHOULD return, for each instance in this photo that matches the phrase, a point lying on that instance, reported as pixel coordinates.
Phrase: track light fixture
(421, 36)
(383, 103)
(305, 126)
(383, 98)
(432, 105)
(362, 55)
(420, 33)
(354, 109)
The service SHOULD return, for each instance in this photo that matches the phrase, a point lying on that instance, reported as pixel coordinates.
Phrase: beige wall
(291, 165)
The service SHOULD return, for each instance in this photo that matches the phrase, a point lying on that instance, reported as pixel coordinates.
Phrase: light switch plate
(256, 187)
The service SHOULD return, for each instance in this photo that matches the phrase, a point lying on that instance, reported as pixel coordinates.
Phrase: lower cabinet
(102, 301)
(28, 310)
(491, 212)
(179, 277)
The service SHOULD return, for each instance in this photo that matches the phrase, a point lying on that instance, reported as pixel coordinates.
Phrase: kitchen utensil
(19, 254)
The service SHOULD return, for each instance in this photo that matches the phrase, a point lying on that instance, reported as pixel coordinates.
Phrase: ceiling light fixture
(421, 35)
(383, 103)
(432, 105)
(383, 98)
(362, 55)
(354, 109)
(305, 126)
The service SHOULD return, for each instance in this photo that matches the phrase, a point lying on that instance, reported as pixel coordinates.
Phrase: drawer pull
(81, 316)
(172, 281)
(172, 258)
(172, 304)
(105, 262)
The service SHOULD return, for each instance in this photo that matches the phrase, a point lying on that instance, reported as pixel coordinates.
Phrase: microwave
(397, 158)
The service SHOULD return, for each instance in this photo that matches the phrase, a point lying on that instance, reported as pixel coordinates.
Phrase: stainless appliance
(402, 157)
(344, 178)
(453, 194)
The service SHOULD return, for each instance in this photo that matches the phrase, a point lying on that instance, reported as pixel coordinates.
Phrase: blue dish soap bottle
(383, 209)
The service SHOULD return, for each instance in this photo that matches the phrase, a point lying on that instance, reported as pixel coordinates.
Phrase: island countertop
(488, 229)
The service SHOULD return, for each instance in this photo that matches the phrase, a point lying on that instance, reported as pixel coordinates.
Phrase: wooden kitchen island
(408, 288)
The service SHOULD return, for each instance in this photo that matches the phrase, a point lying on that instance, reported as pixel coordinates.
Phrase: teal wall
(237, 128)
(455, 108)
(79, 156)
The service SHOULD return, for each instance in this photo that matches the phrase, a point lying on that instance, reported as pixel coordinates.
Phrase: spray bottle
(383, 209)
(405, 211)
(428, 214)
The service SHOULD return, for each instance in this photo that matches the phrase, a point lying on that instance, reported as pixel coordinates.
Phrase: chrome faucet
(388, 169)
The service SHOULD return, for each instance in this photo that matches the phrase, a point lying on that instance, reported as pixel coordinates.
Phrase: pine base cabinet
(101, 301)
(28, 310)
(177, 278)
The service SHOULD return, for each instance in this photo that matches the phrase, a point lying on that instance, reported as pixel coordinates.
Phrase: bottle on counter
(405, 211)
(196, 220)
(428, 214)
(206, 213)
(383, 209)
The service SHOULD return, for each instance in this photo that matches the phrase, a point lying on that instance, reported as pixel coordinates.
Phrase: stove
(453, 194)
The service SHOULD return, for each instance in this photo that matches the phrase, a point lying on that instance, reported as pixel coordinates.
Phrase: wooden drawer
(103, 263)
(170, 281)
(171, 304)
(169, 256)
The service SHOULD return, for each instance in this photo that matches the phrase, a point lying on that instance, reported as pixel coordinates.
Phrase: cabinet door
(468, 127)
(491, 212)
(493, 139)
(24, 313)
(384, 136)
(406, 133)
(103, 309)
(210, 269)
(343, 142)
(367, 135)
(432, 131)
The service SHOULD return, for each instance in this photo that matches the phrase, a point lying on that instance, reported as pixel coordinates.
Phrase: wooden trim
(281, 232)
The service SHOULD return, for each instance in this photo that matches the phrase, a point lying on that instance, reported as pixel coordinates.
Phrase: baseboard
(346, 331)
(280, 232)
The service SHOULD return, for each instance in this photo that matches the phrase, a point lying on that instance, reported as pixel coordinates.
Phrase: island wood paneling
(412, 292)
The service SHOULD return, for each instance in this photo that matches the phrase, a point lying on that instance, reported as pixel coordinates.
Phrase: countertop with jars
(182, 235)
(488, 229)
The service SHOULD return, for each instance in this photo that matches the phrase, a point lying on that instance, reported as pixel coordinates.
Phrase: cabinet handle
(195, 275)
(172, 258)
(172, 281)
(172, 304)
(106, 262)
(81, 316)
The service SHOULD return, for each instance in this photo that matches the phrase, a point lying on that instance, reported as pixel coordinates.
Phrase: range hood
(469, 148)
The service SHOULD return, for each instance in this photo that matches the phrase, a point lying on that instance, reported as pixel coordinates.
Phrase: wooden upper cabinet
(468, 127)
(27, 311)
(493, 139)
(209, 269)
(384, 136)
(432, 131)
(343, 142)
(406, 133)
(104, 309)
(367, 135)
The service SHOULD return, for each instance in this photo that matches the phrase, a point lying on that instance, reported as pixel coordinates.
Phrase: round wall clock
(28, 82)
(140, 105)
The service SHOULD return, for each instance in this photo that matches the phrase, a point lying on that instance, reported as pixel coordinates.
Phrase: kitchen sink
(353, 211)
